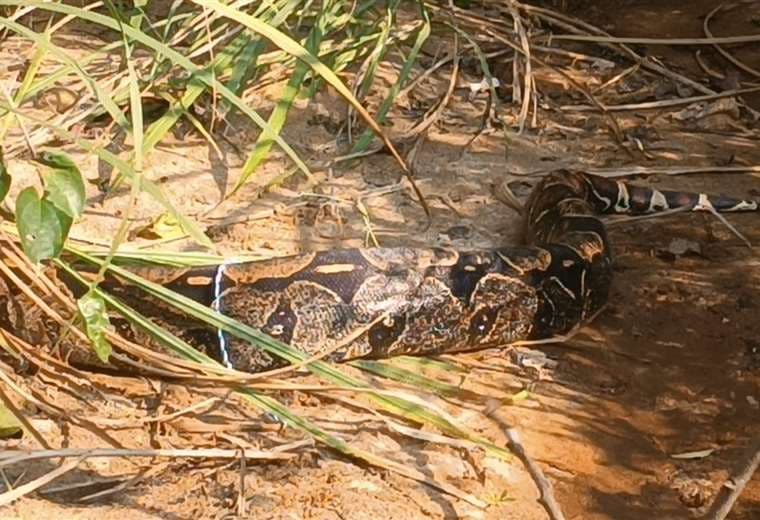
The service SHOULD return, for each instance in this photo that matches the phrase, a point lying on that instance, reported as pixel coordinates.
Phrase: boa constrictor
(381, 302)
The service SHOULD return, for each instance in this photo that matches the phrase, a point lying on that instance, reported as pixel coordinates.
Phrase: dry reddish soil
(672, 366)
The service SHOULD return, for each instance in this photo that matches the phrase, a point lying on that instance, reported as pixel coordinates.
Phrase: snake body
(382, 302)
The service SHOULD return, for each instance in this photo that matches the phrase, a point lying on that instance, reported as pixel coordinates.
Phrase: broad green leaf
(65, 189)
(201, 75)
(146, 185)
(56, 160)
(93, 310)
(5, 178)
(10, 426)
(42, 228)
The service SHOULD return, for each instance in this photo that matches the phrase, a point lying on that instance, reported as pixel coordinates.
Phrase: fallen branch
(623, 171)
(735, 484)
(9, 457)
(543, 484)
(665, 103)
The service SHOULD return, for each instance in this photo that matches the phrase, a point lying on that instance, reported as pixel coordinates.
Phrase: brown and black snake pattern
(383, 302)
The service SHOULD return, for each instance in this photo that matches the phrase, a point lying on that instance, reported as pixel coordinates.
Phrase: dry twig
(544, 486)
(9, 457)
(14, 494)
(665, 102)
(723, 52)
(735, 484)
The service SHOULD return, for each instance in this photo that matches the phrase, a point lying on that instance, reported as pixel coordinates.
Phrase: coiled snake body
(383, 302)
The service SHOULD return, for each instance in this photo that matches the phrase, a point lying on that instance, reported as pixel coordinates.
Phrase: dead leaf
(164, 226)
(700, 454)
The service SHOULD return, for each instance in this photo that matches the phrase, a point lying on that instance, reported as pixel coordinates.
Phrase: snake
(344, 304)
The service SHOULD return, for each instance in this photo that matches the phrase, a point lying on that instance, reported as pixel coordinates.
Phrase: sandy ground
(671, 367)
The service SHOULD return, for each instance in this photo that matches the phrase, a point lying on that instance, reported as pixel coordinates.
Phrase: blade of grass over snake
(412, 378)
(287, 44)
(402, 407)
(274, 407)
(166, 338)
(169, 258)
(176, 58)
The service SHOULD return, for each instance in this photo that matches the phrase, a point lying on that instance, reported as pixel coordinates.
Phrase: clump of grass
(214, 54)
(211, 53)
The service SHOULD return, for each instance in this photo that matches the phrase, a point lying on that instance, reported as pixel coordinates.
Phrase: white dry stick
(543, 484)
(9, 457)
(735, 484)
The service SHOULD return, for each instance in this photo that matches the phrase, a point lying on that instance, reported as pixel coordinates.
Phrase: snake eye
(277, 330)
(483, 321)
(384, 333)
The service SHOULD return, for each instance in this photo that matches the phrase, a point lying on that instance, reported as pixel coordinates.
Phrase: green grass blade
(177, 58)
(157, 130)
(280, 113)
(52, 78)
(401, 407)
(415, 379)
(136, 110)
(168, 258)
(421, 363)
(25, 87)
(125, 169)
(287, 44)
(196, 86)
(378, 53)
(246, 64)
(43, 43)
(406, 70)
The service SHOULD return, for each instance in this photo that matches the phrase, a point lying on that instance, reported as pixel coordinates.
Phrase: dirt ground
(671, 367)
